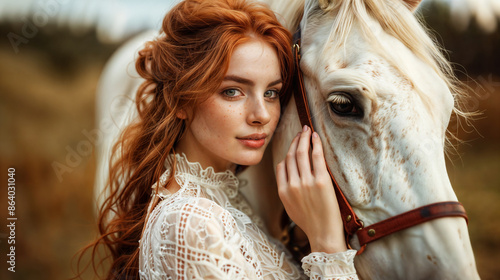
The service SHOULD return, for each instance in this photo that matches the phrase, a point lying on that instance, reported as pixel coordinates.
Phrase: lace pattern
(338, 266)
(207, 230)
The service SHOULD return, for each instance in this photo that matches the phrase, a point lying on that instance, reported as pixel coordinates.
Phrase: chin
(248, 159)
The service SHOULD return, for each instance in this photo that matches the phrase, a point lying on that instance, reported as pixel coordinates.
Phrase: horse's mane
(396, 19)
(288, 12)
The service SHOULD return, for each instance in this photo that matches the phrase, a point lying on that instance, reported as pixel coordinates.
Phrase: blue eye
(271, 94)
(231, 92)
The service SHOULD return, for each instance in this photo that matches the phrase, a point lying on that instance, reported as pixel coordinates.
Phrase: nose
(258, 112)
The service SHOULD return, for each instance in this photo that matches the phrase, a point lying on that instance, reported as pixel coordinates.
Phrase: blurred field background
(47, 102)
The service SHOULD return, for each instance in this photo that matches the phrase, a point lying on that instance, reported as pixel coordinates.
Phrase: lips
(254, 140)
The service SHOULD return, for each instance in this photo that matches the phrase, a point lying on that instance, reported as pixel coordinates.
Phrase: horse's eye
(342, 104)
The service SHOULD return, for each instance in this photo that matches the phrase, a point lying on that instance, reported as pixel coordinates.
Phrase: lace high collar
(194, 172)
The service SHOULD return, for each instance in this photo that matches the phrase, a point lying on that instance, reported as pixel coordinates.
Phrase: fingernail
(315, 135)
(305, 128)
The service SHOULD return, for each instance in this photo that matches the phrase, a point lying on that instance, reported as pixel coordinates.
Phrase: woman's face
(236, 123)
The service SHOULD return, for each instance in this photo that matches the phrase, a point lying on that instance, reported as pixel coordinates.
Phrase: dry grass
(477, 185)
(43, 111)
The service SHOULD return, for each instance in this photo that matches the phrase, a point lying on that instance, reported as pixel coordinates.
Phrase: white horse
(381, 97)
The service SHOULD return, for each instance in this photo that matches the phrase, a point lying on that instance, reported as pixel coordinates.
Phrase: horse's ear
(326, 5)
(412, 4)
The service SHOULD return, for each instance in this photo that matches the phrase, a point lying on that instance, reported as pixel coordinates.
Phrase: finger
(303, 161)
(281, 175)
(291, 162)
(318, 157)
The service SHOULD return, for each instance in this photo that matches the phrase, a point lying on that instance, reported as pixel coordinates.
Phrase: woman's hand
(306, 190)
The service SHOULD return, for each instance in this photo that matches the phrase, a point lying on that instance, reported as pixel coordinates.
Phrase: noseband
(352, 224)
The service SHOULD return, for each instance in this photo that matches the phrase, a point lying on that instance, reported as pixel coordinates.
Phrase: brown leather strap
(351, 223)
(409, 219)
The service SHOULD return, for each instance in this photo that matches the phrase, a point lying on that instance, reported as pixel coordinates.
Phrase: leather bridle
(352, 224)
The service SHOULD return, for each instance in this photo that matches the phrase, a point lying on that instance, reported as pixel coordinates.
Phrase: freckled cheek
(224, 123)
(275, 114)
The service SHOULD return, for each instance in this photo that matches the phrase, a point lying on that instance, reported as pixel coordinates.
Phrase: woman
(210, 104)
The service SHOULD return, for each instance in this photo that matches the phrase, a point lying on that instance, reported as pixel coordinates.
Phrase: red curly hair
(182, 68)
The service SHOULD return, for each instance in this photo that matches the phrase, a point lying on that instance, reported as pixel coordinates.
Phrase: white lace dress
(206, 230)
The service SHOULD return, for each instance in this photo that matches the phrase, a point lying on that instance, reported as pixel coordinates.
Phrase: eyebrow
(245, 81)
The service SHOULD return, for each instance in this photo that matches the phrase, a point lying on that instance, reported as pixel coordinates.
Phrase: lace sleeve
(195, 240)
(338, 266)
